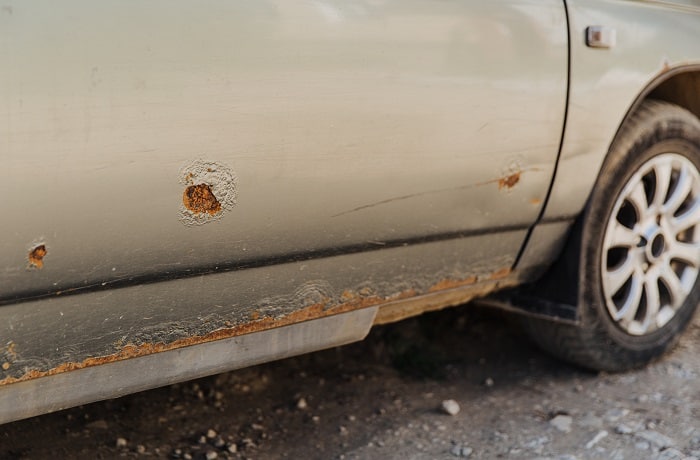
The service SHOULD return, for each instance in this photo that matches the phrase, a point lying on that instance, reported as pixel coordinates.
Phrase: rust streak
(36, 256)
(452, 283)
(500, 274)
(351, 300)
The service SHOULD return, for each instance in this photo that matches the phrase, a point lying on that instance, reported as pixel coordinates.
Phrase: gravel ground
(462, 383)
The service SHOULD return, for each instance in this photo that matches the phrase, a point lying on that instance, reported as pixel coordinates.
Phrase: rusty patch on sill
(510, 181)
(36, 256)
(448, 292)
(200, 199)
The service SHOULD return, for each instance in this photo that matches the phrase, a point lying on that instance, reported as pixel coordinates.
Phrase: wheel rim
(651, 247)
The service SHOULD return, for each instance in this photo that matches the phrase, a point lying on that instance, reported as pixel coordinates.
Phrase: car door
(161, 139)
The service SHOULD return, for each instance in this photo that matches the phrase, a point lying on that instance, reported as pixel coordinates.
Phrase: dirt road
(382, 398)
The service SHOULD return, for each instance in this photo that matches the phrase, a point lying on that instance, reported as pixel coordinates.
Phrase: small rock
(642, 445)
(657, 439)
(623, 429)
(488, 382)
(121, 443)
(187, 456)
(97, 424)
(232, 448)
(600, 435)
(140, 449)
(202, 440)
(459, 450)
(301, 404)
(450, 407)
(342, 430)
(219, 442)
(613, 415)
(562, 423)
(316, 419)
(211, 434)
(212, 455)
(671, 454)
(257, 427)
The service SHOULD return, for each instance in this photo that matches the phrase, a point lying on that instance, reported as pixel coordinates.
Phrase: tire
(638, 247)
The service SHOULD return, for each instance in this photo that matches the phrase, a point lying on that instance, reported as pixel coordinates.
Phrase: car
(194, 187)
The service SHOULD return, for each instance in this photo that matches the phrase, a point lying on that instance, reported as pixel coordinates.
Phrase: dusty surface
(383, 398)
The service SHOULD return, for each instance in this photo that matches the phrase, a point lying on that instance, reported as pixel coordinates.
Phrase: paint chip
(36, 256)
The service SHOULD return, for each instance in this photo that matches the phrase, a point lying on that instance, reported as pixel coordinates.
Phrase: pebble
(232, 448)
(140, 449)
(211, 434)
(450, 407)
(562, 423)
(301, 404)
(657, 439)
(623, 429)
(596, 439)
(121, 442)
(212, 455)
(613, 415)
(459, 450)
(642, 445)
(489, 382)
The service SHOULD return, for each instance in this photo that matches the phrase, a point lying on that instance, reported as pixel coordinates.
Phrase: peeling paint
(36, 256)
(318, 300)
(210, 191)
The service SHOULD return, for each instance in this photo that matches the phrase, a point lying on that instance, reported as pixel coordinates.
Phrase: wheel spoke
(623, 236)
(638, 198)
(663, 180)
(686, 220)
(684, 184)
(618, 277)
(629, 309)
(673, 284)
(651, 289)
(688, 253)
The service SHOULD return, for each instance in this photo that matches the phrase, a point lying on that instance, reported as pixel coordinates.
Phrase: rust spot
(255, 315)
(509, 181)
(199, 199)
(535, 201)
(36, 256)
(500, 274)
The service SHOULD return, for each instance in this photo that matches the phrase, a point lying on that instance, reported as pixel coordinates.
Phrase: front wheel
(639, 241)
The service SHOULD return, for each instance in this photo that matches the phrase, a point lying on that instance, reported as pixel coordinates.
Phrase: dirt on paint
(381, 398)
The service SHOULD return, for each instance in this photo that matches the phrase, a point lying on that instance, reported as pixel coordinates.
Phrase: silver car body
(371, 160)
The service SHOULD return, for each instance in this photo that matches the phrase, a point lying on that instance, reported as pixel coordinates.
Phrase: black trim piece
(300, 256)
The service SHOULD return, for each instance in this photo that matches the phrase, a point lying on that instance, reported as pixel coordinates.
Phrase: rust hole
(509, 182)
(36, 256)
(199, 199)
